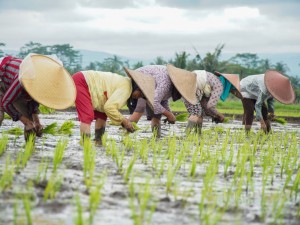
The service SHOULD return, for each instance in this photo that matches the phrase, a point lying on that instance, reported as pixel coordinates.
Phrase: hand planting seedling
(182, 117)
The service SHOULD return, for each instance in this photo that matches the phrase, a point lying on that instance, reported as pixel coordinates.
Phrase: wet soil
(179, 205)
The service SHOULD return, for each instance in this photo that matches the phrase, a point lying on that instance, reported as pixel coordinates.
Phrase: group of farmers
(40, 79)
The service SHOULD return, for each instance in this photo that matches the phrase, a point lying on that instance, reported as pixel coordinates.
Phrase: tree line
(243, 64)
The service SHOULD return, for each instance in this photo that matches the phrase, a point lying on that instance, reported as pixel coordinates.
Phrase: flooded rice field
(221, 177)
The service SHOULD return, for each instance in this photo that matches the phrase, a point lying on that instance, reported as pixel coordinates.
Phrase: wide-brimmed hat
(234, 79)
(185, 82)
(47, 81)
(145, 82)
(279, 87)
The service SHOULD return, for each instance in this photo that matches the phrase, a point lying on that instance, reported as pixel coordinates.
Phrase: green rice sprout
(226, 120)
(7, 174)
(59, 153)
(280, 120)
(6, 116)
(15, 131)
(182, 117)
(66, 128)
(46, 110)
(135, 126)
(50, 129)
(3, 143)
(79, 217)
(53, 186)
(27, 207)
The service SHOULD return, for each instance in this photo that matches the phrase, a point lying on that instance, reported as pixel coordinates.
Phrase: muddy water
(178, 206)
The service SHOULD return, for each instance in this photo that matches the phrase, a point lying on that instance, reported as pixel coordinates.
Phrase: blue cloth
(226, 88)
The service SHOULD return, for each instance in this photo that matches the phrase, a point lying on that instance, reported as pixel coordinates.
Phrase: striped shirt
(11, 87)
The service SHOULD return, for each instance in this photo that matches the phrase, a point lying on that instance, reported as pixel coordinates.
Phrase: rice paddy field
(222, 176)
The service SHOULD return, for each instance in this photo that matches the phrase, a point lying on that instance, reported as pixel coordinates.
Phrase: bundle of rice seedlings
(6, 116)
(135, 126)
(226, 120)
(182, 117)
(15, 131)
(50, 129)
(280, 120)
(66, 128)
(46, 110)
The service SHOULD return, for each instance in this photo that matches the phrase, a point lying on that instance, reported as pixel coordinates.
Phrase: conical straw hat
(145, 82)
(47, 81)
(234, 79)
(184, 81)
(279, 87)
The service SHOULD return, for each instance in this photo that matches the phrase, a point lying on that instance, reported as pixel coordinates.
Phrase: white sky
(147, 28)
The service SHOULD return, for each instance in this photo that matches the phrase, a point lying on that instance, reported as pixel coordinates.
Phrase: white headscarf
(203, 88)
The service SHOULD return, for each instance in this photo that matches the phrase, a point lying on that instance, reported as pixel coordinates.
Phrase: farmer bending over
(204, 90)
(26, 83)
(101, 95)
(258, 89)
(152, 87)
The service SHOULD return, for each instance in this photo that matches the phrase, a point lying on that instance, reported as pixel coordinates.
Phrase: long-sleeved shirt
(109, 93)
(12, 89)
(254, 87)
(204, 103)
(163, 86)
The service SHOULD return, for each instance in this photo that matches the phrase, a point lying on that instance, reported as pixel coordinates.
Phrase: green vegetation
(236, 108)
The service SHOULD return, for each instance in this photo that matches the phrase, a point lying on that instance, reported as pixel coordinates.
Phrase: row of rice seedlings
(95, 197)
(64, 129)
(140, 202)
(42, 170)
(3, 143)
(89, 154)
(7, 174)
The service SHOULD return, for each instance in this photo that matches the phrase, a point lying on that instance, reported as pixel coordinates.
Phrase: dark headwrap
(131, 102)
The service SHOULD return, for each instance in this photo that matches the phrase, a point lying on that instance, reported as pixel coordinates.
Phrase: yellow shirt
(109, 92)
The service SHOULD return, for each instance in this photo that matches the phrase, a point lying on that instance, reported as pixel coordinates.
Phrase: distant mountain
(292, 60)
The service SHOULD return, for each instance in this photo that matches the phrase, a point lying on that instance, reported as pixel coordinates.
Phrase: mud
(180, 205)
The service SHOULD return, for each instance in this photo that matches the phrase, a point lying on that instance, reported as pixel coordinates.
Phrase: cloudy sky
(149, 28)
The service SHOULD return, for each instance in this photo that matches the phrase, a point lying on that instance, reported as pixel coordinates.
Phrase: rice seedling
(129, 168)
(53, 186)
(59, 153)
(45, 110)
(194, 164)
(95, 198)
(15, 131)
(144, 201)
(182, 117)
(50, 129)
(79, 220)
(15, 212)
(27, 207)
(89, 154)
(29, 148)
(3, 143)
(66, 128)
(6, 178)
(280, 120)
(42, 170)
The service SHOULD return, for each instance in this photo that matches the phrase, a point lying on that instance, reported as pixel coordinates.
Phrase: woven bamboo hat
(145, 82)
(280, 87)
(185, 82)
(234, 79)
(47, 81)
